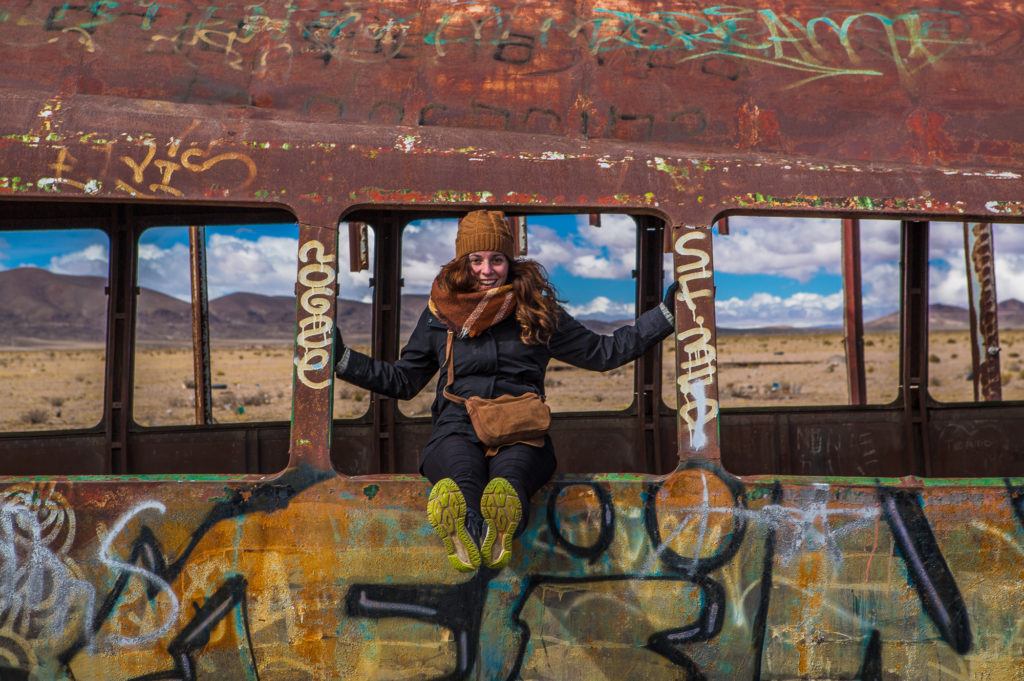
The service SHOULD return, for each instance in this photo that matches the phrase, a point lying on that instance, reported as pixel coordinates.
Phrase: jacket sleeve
(577, 345)
(403, 379)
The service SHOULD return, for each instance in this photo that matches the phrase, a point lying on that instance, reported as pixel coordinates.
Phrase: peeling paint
(1005, 207)
(759, 200)
(15, 184)
(407, 143)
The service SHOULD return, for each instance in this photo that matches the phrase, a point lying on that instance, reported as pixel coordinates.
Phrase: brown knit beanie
(483, 230)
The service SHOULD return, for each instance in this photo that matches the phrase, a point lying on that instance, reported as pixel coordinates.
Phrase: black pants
(457, 457)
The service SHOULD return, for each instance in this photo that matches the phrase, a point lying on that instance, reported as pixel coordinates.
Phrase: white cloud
(426, 246)
(880, 288)
(267, 265)
(948, 274)
(91, 261)
(765, 309)
(601, 307)
(786, 247)
(165, 269)
(1009, 275)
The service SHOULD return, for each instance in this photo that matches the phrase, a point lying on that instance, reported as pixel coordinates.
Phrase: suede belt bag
(504, 420)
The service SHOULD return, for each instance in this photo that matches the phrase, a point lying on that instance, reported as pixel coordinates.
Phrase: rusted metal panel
(232, 565)
(853, 314)
(973, 441)
(114, 150)
(201, 386)
(889, 83)
(696, 354)
(984, 316)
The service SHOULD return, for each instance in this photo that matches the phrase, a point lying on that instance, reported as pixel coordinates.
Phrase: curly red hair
(537, 308)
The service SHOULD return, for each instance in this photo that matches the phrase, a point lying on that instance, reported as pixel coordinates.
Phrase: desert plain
(55, 388)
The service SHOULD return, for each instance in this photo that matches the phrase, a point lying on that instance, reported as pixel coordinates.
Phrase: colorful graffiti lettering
(696, 573)
(834, 43)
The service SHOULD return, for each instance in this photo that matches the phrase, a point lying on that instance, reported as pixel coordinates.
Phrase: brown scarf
(470, 314)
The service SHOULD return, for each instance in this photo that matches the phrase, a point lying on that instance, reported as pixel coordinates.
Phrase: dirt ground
(774, 370)
(58, 389)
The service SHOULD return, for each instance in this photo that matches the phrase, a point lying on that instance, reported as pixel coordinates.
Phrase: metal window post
(914, 345)
(853, 313)
(647, 370)
(200, 325)
(979, 252)
(120, 360)
(387, 291)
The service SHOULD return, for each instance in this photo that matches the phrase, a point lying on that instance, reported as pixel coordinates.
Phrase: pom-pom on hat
(483, 230)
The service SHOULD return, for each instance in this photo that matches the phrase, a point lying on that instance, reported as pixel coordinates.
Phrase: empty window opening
(986, 364)
(780, 313)
(53, 314)
(251, 298)
(591, 266)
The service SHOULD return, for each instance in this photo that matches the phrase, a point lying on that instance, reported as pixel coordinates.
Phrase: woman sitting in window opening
(500, 320)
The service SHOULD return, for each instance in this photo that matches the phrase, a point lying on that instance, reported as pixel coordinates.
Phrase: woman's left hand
(670, 296)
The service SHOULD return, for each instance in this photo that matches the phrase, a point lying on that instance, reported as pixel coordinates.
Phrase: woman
(506, 325)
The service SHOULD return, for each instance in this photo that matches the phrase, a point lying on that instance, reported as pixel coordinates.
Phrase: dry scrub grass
(774, 370)
(257, 382)
(59, 389)
(50, 389)
(804, 369)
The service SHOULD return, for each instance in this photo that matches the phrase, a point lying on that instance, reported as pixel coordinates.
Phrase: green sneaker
(502, 511)
(446, 511)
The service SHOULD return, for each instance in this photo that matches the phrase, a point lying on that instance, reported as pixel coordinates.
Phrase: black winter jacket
(496, 362)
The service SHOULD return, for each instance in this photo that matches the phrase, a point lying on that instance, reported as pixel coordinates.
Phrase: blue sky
(769, 270)
(39, 248)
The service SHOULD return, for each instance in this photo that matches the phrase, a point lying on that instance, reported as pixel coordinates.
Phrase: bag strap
(449, 359)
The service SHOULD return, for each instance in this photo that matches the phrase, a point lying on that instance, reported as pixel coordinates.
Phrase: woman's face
(489, 268)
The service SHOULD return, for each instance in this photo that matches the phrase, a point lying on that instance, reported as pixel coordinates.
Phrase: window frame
(633, 408)
(165, 216)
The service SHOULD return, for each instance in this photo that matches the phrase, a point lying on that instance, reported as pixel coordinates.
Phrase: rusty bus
(856, 541)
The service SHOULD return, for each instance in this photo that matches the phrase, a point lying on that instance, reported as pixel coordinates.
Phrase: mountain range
(40, 308)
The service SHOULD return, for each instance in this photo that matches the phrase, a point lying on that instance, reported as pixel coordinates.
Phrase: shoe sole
(502, 512)
(446, 511)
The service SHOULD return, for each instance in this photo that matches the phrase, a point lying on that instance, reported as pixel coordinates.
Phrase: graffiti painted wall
(696, 575)
(880, 81)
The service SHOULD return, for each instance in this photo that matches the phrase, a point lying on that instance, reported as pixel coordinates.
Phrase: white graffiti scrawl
(697, 364)
(314, 338)
(45, 602)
